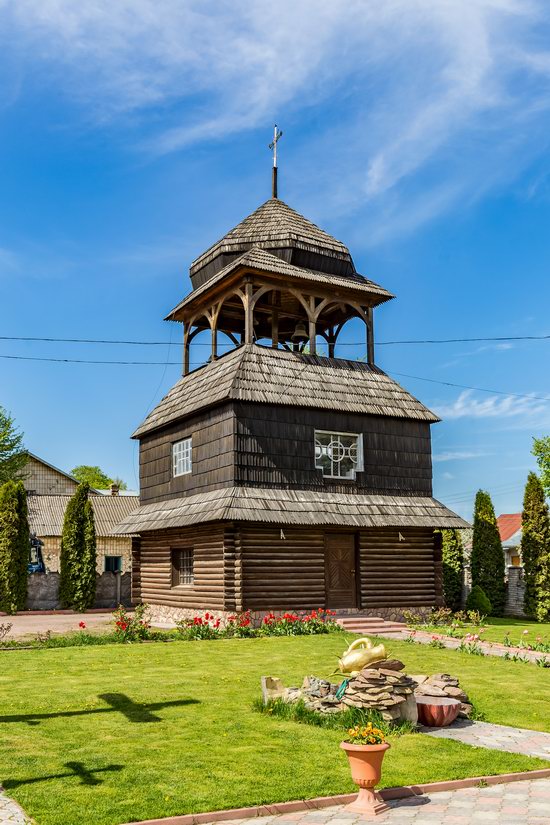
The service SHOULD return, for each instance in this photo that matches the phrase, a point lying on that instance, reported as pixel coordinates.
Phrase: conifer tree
(535, 550)
(77, 580)
(14, 546)
(487, 558)
(453, 568)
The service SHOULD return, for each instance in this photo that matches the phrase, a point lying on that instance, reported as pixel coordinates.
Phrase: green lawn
(107, 735)
(496, 629)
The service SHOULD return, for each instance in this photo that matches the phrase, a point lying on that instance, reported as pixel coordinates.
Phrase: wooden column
(370, 337)
(275, 329)
(312, 327)
(248, 315)
(186, 349)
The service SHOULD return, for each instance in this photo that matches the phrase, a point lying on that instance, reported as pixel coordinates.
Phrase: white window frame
(359, 467)
(182, 457)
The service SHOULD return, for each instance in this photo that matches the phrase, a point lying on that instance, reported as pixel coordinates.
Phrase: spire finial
(277, 135)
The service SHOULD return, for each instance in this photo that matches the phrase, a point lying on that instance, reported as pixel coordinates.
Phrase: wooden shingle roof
(258, 259)
(46, 513)
(273, 376)
(274, 224)
(292, 507)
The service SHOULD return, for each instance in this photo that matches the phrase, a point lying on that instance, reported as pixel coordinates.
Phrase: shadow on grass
(76, 769)
(134, 712)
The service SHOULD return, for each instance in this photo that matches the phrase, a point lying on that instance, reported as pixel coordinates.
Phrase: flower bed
(239, 625)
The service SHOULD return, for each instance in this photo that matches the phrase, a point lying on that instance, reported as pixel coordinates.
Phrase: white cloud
(457, 455)
(508, 406)
(453, 91)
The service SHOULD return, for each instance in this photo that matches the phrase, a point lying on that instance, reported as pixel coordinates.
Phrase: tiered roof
(292, 507)
(275, 225)
(272, 376)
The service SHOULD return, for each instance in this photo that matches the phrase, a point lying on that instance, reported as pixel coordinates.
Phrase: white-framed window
(181, 457)
(338, 455)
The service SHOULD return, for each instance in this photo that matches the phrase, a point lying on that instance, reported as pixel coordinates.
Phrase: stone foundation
(163, 614)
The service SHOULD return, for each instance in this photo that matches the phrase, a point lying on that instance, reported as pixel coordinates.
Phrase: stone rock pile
(382, 687)
(441, 684)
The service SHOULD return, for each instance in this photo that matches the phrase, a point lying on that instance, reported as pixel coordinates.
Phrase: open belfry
(278, 476)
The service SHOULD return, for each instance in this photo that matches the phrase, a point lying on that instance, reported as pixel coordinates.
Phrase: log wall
(395, 572)
(282, 573)
(254, 566)
(208, 589)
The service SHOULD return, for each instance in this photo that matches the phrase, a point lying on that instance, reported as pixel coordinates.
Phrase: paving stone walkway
(514, 803)
(10, 812)
(496, 737)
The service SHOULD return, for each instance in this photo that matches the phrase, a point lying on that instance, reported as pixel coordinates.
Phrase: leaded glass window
(338, 455)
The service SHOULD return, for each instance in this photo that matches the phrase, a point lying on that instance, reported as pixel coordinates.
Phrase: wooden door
(340, 575)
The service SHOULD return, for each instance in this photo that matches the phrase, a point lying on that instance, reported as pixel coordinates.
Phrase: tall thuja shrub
(487, 557)
(77, 580)
(535, 550)
(14, 546)
(453, 568)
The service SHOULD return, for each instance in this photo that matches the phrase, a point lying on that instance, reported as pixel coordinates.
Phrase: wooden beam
(370, 337)
(275, 329)
(248, 314)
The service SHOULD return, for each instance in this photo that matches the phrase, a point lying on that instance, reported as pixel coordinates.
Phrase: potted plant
(365, 746)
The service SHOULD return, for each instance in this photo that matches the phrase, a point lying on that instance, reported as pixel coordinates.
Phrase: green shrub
(14, 546)
(479, 601)
(535, 550)
(453, 568)
(77, 579)
(487, 557)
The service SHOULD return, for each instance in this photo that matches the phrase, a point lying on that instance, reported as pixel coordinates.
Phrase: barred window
(181, 457)
(182, 567)
(338, 455)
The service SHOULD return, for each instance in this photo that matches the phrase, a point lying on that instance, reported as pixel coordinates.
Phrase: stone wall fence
(43, 591)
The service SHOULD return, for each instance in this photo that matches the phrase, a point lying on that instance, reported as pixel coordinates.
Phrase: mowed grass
(115, 734)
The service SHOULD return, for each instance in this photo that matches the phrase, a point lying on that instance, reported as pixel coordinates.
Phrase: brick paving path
(515, 803)
(10, 812)
(496, 737)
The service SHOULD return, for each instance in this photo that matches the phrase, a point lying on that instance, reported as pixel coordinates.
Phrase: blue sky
(134, 134)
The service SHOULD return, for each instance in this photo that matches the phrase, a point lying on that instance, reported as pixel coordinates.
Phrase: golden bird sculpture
(360, 654)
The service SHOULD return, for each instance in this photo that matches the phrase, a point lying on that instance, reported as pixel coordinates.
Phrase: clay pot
(365, 762)
(437, 711)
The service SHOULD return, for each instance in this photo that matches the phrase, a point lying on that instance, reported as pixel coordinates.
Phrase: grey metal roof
(273, 376)
(274, 224)
(46, 513)
(292, 507)
(257, 258)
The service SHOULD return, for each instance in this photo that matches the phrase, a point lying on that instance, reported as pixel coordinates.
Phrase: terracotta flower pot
(437, 711)
(365, 762)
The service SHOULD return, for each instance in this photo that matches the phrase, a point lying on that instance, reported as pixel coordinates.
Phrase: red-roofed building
(509, 526)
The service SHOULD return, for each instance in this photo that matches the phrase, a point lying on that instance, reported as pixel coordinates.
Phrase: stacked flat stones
(441, 684)
(382, 687)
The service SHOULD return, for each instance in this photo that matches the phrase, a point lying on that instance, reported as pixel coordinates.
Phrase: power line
(340, 344)
(467, 387)
(178, 363)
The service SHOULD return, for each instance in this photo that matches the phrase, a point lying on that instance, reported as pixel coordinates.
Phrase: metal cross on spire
(277, 135)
